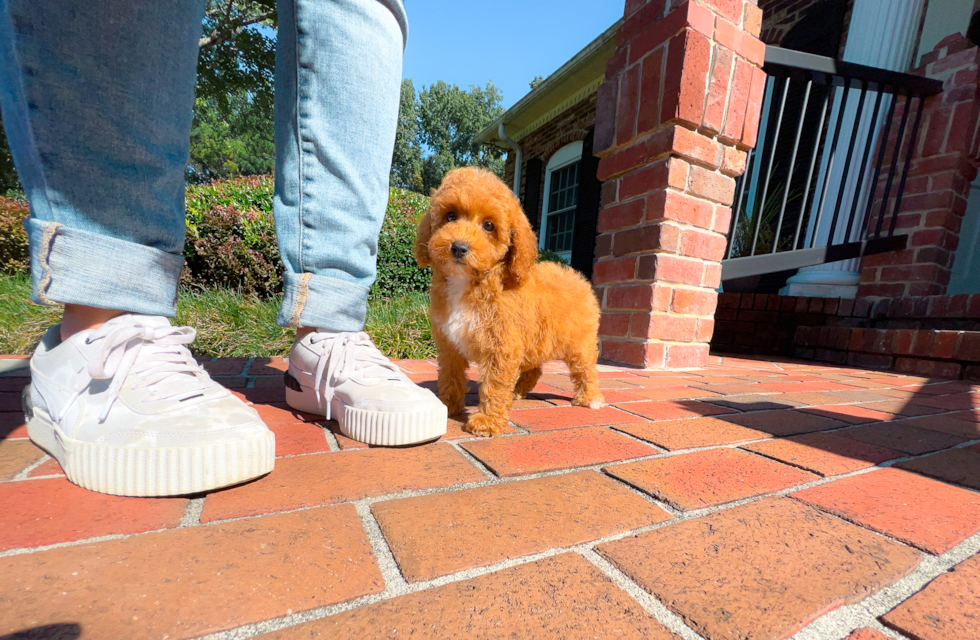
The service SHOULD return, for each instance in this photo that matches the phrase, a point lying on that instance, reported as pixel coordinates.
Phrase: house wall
(569, 126)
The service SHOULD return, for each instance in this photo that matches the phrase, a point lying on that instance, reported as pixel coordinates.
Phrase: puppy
(492, 303)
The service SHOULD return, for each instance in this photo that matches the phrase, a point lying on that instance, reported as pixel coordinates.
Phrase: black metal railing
(803, 200)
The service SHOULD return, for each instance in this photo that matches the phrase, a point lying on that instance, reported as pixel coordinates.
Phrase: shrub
(14, 257)
(547, 255)
(398, 273)
(230, 241)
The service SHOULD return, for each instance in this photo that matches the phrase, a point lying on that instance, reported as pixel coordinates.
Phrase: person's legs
(338, 77)
(97, 102)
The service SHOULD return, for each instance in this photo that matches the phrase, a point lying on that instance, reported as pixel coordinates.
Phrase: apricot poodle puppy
(494, 304)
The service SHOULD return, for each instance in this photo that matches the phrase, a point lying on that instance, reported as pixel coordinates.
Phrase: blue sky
(468, 42)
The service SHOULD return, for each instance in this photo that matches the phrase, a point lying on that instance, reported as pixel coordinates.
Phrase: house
(798, 149)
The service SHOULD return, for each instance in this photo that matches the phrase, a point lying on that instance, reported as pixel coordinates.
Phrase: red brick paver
(17, 455)
(925, 513)
(106, 567)
(786, 422)
(330, 478)
(185, 583)
(948, 608)
(692, 433)
(560, 597)
(443, 533)
(570, 417)
(41, 512)
(957, 466)
(555, 450)
(707, 478)
(828, 454)
(747, 573)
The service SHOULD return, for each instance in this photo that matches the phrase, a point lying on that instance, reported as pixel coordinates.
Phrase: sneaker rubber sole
(151, 471)
(383, 428)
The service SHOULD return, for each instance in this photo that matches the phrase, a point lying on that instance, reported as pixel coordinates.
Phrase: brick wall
(935, 197)
(678, 110)
(924, 352)
(766, 324)
(568, 126)
(937, 336)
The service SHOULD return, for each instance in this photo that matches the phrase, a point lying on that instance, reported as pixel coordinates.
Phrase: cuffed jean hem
(322, 302)
(69, 266)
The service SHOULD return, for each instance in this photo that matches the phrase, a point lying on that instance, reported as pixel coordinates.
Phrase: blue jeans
(97, 99)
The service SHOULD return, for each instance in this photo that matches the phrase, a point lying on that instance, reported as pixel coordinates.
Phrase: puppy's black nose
(459, 249)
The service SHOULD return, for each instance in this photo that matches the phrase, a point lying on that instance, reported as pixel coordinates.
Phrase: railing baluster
(738, 202)
(792, 165)
(891, 170)
(847, 164)
(813, 164)
(864, 164)
(830, 163)
(908, 163)
(881, 159)
(772, 155)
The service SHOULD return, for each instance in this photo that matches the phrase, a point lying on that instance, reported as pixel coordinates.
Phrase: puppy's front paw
(482, 425)
(593, 401)
(456, 407)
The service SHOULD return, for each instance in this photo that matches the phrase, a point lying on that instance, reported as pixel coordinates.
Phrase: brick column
(944, 165)
(678, 111)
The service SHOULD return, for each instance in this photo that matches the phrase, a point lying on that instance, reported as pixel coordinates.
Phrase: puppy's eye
(451, 216)
(488, 226)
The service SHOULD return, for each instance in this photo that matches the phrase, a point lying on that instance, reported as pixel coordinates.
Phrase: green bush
(398, 274)
(547, 255)
(231, 239)
(14, 257)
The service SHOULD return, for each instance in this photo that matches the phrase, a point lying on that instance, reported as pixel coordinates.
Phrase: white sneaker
(344, 377)
(126, 410)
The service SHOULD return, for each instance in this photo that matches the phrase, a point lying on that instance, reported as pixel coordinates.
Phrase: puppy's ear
(422, 236)
(523, 251)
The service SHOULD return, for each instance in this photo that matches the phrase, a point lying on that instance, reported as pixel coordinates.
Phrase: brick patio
(748, 499)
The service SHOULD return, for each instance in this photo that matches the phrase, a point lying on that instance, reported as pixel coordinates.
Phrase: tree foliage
(436, 131)
(406, 161)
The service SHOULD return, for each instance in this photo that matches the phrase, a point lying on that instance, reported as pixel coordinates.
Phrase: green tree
(406, 161)
(237, 53)
(535, 82)
(232, 140)
(449, 118)
(236, 63)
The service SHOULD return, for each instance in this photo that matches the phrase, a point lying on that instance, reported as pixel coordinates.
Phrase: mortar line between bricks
(842, 621)
(650, 604)
(332, 443)
(192, 513)
(476, 462)
(383, 555)
(23, 473)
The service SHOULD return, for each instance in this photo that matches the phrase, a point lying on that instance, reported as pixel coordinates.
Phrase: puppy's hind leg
(585, 377)
(526, 382)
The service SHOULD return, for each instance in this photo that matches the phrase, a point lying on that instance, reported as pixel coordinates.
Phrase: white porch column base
(822, 284)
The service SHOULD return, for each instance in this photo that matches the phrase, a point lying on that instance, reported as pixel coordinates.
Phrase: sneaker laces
(153, 353)
(349, 353)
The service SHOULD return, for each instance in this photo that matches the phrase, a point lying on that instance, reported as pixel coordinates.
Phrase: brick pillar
(678, 111)
(944, 165)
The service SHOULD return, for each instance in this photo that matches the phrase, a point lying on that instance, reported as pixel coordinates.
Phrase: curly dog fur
(492, 303)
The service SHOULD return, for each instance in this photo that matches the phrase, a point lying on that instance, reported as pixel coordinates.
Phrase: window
(561, 180)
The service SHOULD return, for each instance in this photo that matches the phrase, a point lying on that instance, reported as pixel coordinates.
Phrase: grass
(227, 323)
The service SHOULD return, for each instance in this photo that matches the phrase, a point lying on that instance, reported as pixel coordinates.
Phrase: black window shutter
(587, 211)
(532, 191)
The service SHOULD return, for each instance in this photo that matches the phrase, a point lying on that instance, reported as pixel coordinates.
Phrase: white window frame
(569, 154)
